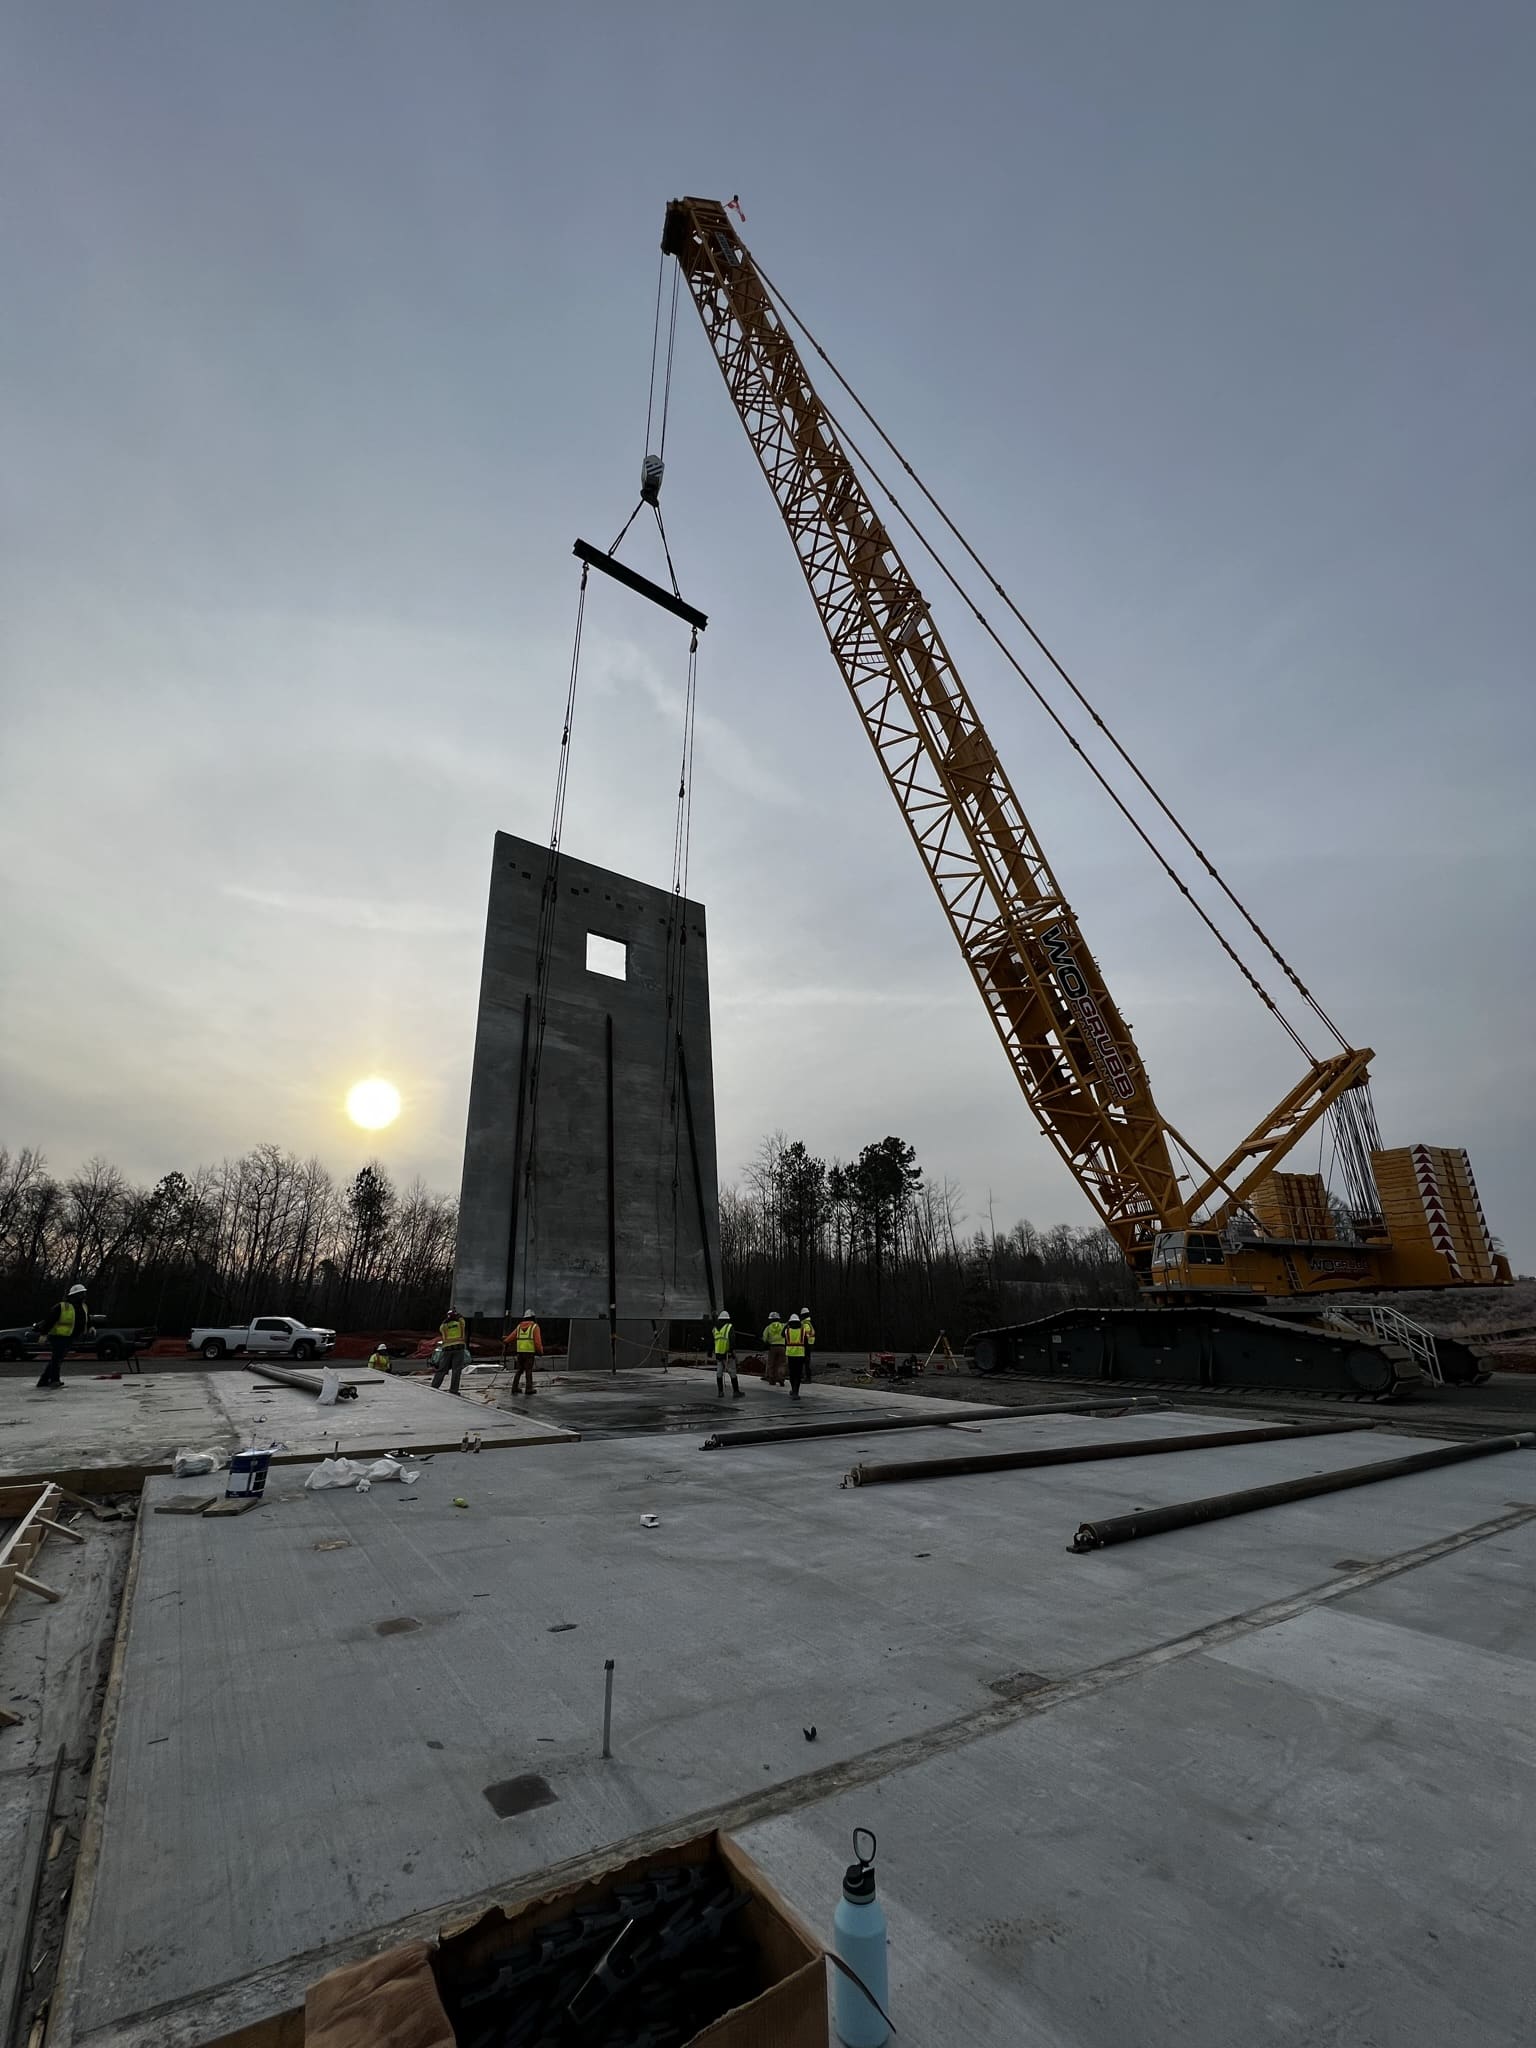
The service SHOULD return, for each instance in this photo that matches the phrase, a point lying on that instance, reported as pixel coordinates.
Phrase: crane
(1213, 1227)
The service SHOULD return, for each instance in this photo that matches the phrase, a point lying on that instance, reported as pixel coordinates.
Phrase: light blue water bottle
(859, 1939)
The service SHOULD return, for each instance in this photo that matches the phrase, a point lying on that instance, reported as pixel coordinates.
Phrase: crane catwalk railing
(1392, 1327)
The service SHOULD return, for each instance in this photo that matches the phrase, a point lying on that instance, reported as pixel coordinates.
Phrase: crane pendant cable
(1079, 696)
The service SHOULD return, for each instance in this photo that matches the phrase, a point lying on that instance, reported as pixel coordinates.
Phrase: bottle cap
(859, 1877)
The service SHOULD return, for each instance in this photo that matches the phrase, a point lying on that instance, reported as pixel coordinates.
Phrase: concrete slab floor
(1318, 1832)
(240, 1859)
(645, 1398)
(126, 1426)
(53, 1668)
(1507, 1401)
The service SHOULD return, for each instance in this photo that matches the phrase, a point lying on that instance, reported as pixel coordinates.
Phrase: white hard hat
(795, 1318)
(773, 1315)
(805, 1311)
(77, 1288)
(722, 1315)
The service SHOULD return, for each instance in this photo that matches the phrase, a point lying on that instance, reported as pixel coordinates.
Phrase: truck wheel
(213, 1348)
(303, 1350)
(10, 1349)
(109, 1347)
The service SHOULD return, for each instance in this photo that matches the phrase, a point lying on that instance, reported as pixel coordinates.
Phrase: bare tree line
(878, 1250)
(264, 1233)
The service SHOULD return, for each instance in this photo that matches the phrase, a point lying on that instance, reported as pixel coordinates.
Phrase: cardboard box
(392, 2001)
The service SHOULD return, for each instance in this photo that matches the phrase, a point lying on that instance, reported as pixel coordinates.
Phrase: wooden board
(19, 1549)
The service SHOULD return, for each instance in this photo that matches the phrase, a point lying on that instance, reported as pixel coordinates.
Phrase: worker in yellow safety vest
(808, 1332)
(452, 1351)
(773, 1337)
(725, 1354)
(527, 1345)
(379, 1358)
(794, 1347)
(59, 1327)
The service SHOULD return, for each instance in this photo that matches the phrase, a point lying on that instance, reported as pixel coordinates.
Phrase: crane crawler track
(1178, 1349)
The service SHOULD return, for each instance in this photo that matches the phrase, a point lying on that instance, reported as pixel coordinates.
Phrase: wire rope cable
(1076, 744)
(1078, 694)
(548, 908)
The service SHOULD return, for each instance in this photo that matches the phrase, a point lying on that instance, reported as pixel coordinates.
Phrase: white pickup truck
(266, 1337)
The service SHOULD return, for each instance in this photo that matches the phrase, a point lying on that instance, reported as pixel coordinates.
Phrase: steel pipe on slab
(306, 1382)
(725, 1440)
(1074, 1454)
(1154, 1521)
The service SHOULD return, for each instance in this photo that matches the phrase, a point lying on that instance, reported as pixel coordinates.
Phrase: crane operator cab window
(1176, 1248)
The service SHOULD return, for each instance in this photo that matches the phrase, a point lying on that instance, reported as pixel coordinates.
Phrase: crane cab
(1187, 1266)
(1189, 1258)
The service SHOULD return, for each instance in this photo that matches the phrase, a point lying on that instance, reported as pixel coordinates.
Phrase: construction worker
(527, 1345)
(725, 1354)
(59, 1326)
(808, 1332)
(452, 1352)
(379, 1358)
(794, 1347)
(773, 1337)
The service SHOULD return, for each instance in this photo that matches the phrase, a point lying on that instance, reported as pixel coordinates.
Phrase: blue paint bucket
(247, 1474)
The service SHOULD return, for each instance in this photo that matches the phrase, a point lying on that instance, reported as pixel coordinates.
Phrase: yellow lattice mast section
(1068, 1044)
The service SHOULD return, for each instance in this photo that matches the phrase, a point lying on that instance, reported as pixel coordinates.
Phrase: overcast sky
(326, 330)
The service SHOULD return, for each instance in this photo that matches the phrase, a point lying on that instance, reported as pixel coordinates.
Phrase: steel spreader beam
(641, 585)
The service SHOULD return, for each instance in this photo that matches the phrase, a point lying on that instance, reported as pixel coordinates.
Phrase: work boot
(736, 1393)
(719, 1388)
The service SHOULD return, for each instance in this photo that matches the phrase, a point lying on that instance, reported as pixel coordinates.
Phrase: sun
(373, 1103)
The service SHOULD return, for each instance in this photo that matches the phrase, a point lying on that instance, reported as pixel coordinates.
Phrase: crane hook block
(650, 480)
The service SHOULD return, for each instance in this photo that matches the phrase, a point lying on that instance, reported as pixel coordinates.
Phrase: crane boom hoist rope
(1070, 1048)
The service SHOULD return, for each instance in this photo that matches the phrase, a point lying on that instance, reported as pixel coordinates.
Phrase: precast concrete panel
(628, 969)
